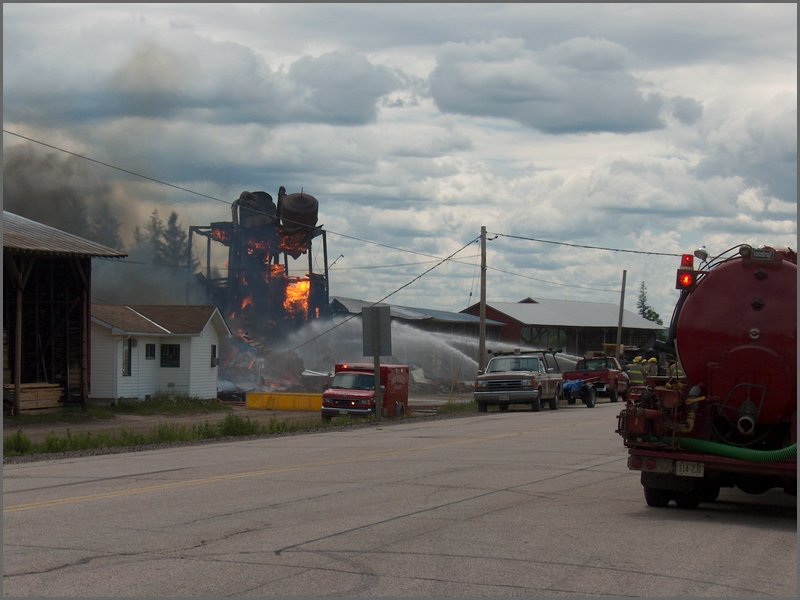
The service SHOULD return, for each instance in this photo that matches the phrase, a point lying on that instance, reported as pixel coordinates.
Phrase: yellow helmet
(653, 360)
(637, 359)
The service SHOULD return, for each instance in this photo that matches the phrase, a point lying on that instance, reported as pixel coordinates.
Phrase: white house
(138, 351)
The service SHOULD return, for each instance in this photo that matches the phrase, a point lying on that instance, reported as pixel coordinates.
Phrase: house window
(127, 351)
(170, 355)
(214, 359)
(150, 351)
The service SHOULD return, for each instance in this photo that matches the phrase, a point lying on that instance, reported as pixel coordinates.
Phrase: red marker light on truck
(685, 280)
(687, 261)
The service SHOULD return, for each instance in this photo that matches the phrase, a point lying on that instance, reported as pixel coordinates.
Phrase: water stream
(441, 359)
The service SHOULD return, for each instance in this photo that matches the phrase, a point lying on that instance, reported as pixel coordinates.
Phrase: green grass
(232, 425)
(457, 408)
(18, 444)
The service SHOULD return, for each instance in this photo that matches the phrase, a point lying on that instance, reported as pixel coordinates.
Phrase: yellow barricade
(284, 401)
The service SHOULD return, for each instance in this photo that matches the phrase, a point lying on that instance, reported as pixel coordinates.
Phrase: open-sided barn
(47, 275)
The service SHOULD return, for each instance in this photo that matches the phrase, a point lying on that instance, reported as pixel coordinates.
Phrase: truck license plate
(688, 469)
(342, 411)
(503, 398)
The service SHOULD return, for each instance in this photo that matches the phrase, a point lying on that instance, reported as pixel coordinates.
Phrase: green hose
(735, 452)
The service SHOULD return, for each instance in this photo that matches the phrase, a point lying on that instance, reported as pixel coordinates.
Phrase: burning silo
(262, 301)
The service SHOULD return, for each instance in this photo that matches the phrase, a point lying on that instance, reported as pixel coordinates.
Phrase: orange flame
(220, 235)
(247, 302)
(296, 302)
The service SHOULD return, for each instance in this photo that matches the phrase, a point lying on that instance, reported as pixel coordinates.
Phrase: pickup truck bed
(604, 372)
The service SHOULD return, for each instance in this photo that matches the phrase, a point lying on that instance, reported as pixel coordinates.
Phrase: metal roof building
(30, 237)
(456, 323)
(46, 301)
(575, 326)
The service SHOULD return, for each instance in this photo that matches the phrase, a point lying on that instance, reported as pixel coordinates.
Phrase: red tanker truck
(730, 418)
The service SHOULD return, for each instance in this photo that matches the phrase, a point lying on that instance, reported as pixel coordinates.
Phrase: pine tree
(138, 236)
(644, 309)
(174, 248)
(155, 231)
(104, 227)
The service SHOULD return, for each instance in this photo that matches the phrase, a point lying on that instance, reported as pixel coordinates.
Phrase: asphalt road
(492, 505)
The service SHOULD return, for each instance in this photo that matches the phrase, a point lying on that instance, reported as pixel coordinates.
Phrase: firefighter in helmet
(650, 367)
(635, 372)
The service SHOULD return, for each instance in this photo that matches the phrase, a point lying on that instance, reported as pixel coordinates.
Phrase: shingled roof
(143, 319)
(24, 235)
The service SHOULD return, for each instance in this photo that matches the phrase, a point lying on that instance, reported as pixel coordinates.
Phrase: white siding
(128, 385)
(147, 369)
(194, 377)
(203, 382)
(103, 364)
(175, 380)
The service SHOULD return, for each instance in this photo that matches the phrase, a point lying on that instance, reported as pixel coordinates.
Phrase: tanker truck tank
(735, 334)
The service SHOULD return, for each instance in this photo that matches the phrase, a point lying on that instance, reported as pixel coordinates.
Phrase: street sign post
(376, 328)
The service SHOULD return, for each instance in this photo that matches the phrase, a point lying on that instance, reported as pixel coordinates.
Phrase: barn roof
(24, 235)
(571, 313)
(158, 319)
(354, 306)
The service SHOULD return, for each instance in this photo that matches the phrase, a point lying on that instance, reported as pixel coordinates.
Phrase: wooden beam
(20, 279)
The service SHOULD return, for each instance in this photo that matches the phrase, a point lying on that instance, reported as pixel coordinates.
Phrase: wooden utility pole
(619, 324)
(482, 326)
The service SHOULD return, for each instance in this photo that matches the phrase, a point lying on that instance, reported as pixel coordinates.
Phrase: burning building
(261, 299)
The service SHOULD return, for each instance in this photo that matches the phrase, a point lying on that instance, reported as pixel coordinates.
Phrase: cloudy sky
(638, 130)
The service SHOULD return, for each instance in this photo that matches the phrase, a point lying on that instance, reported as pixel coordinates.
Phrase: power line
(519, 237)
(183, 189)
(583, 287)
(189, 191)
(110, 166)
(418, 277)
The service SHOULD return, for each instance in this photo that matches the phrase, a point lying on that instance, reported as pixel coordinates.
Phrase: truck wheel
(536, 405)
(553, 403)
(571, 400)
(657, 497)
(687, 500)
(612, 395)
(709, 492)
(502, 406)
(590, 397)
(481, 406)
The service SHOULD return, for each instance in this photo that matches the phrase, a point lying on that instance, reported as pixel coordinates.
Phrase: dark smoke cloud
(66, 193)
(59, 192)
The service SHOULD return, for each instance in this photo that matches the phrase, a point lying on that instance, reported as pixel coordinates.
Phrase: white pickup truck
(519, 377)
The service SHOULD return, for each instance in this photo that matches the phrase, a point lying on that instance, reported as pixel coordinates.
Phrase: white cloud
(641, 126)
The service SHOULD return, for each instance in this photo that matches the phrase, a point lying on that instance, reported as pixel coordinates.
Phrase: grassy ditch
(18, 444)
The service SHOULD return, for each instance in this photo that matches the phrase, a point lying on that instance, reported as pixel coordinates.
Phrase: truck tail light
(687, 276)
(686, 280)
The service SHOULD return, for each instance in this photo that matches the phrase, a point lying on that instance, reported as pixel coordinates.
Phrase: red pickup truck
(603, 373)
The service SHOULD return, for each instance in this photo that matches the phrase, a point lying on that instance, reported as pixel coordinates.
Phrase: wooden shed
(47, 282)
